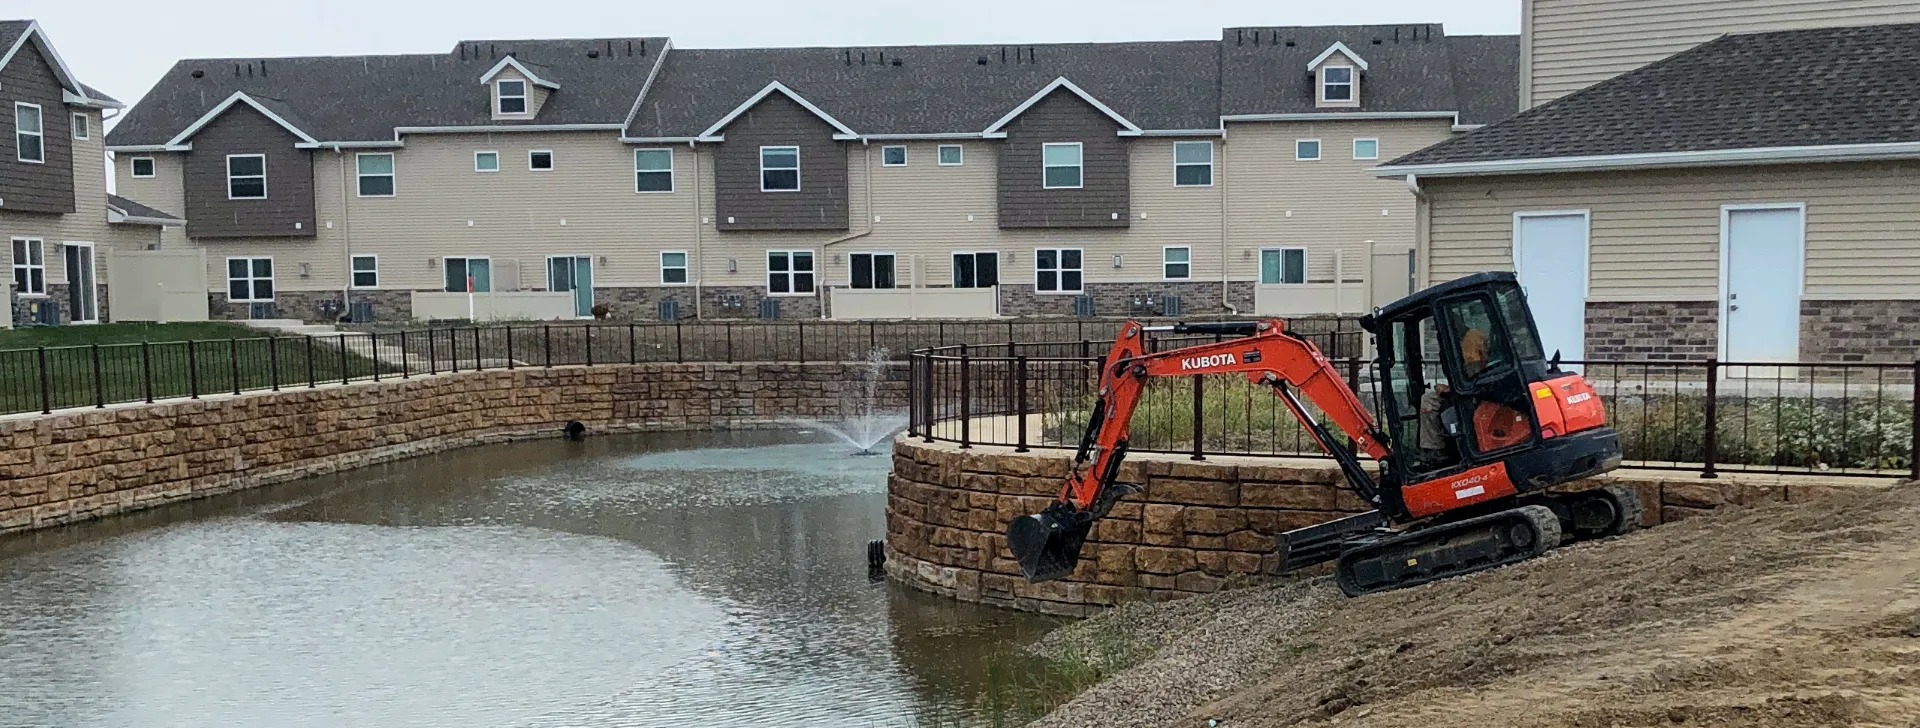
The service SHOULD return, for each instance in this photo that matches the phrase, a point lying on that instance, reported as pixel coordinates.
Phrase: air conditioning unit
(1170, 305)
(43, 312)
(263, 310)
(669, 310)
(769, 308)
(1083, 306)
(361, 312)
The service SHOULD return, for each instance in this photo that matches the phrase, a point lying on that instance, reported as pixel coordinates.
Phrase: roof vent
(982, 61)
(197, 73)
(1376, 41)
(897, 62)
(1289, 44)
(595, 53)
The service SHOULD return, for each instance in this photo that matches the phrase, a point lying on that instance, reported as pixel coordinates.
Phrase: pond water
(659, 580)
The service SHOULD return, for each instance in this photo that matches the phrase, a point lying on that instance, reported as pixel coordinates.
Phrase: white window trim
(1211, 151)
(976, 268)
(1319, 150)
(903, 155)
(352, 282)
(1356, 147)
(42, 134)
(82, 127)
(1164, 263)
(552, 161)
(796, 169)
(16, 265)
(939, 159)
(1306, 263)
(393, 164)
(789, 272)
(133, 168)
(496, 161)
(274, 276)
(1059, 256)
(263, 178)
(673, 181)
(888, 253)
(443, 271)
(1082, 166)
(525, 96)
(688, 267)
(1352, 84)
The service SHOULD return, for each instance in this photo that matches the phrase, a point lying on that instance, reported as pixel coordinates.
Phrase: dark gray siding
(1064, 117)
(24, 186)
(821, 203)
(288, 209)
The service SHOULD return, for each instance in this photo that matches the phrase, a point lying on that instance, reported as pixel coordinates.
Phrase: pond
(714, 579)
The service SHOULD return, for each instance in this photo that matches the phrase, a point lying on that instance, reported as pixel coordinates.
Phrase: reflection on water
(710, 580)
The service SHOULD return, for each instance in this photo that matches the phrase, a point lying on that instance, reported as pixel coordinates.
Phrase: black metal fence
(50, 378)
(1706, 417)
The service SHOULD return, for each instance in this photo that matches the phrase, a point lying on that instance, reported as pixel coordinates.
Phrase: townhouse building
(556, 176)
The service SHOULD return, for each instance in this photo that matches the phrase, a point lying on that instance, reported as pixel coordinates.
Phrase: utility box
(1170, 305)
(361, 312)
(43, 312)
(769, 308)
(1083, 306)
(669, 310)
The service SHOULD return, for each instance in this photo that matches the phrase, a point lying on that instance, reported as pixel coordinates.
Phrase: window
(653, 170)
(1366, 149)
(790, 272)
(246, 176)
(1193, 164)
(249, 279)
(1060, 166)
(513, 96)
(486, 161)
(465, 273)
(142, 167)
(1307, 150)
(872, 270)
(366, 271)
(1178, 262)
(951, 155)
(376, 174)
(1336, 83)
(976, 270)
(673, 266)
(29, 142)
(81, 129)
(1056, 270)
(1283, 265)
(540, 160)
(779, 169)
(893, 156)
(29, 266)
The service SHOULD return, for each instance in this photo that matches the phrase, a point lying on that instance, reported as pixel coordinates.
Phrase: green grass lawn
(27, 338)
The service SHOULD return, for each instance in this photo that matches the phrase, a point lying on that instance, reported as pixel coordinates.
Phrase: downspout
(1422, 230)
(866, 165)
(1226, 279)
(699, 227)
(346, 239)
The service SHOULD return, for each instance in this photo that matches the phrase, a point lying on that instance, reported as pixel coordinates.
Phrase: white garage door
(1550, 256)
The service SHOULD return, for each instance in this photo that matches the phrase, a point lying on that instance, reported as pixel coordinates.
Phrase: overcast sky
(123, 46)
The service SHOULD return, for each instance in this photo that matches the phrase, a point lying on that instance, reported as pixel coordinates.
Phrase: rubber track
(1546, 536)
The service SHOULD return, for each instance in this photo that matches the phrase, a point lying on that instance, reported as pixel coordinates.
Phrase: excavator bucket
(1047, 544)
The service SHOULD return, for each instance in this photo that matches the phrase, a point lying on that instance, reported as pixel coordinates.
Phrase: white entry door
(1550, 256)
(1761, 267)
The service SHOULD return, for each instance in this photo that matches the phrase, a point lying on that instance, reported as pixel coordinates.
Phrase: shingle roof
(363, 98)
(1411, 68)
(1830, 86)
(936, 89)
(135, 209)
(98, 95)
(10, 32)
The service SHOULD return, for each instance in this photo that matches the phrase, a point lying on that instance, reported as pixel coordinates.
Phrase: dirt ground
(1785, 616)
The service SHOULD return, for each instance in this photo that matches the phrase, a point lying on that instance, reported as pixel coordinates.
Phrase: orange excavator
(1474, 426)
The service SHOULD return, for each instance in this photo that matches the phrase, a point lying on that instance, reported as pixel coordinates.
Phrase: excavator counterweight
(1472, 425)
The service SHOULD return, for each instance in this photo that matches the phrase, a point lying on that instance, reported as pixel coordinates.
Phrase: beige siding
(536, 95)
(1335, 205)
(1568, 45)
(164, 191)
(1656, 235)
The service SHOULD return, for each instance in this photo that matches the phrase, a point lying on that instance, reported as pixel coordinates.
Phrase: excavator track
(1448, 550)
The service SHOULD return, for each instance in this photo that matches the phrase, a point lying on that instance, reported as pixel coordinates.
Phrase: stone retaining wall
(1199, 526)
(82, 464)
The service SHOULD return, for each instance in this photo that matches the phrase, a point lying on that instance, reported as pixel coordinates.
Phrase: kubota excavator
(1475, 424)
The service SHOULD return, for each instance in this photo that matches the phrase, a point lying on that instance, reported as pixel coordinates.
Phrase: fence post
(477, 366)
(1020, 401)
(46, 382)
(510, 363)
(966, 401)
(373, 354)
(729, 327)
(1199, 418)
(406, 370)
(343, 357)
(679, 344)
(1913, 448)
(433, 353)
(1710, 431)
(1353, 383)
(453, 349)
(313, 376)
(233, 363)
(146, 370)
(586, 334)
(273, 360)
(800, 329)
(633, 344)
(546, 337)
(927, 415)
(99, 387)
(873, 340)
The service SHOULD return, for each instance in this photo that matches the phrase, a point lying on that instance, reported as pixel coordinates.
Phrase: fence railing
(51, 378)
(1706, 417)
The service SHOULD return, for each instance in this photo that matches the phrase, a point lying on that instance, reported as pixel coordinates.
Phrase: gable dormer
(1336, 76)
(516, 90)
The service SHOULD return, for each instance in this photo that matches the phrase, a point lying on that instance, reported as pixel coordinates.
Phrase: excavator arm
(1047, 544)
